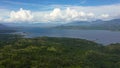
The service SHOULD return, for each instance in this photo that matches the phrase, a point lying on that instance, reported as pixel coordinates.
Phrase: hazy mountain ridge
(98, 24)
(6, 29)
(95, 25)
(2, 26)
(41, 25)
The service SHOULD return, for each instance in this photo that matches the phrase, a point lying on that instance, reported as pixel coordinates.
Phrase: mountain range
(97, 25)
(93, 25)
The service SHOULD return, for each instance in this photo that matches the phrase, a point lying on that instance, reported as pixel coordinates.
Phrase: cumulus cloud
(55, 15)
(63, 14)
(104, 15)
(1, 19)
(66, 15)
(79, 13)
(20, 16)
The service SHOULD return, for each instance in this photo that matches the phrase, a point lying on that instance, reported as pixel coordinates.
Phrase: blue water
(99, 36)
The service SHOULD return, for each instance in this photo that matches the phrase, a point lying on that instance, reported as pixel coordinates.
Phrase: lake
(100, 36)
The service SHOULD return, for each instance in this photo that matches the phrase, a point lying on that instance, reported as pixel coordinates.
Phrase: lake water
(99, 36)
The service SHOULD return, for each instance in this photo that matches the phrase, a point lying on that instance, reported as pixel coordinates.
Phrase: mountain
(6, 29)
(2, 27)
(41, 25)
(97, 25)
(78, 23)
(110, 25)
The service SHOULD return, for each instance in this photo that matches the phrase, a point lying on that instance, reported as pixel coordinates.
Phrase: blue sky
(35, 4)
(58, 10)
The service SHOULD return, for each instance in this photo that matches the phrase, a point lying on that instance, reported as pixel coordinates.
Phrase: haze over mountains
(95, 25)
(2, 26)
(98, 24)
(6, 29)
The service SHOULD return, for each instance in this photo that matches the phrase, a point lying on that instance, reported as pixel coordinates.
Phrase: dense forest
(51, 52)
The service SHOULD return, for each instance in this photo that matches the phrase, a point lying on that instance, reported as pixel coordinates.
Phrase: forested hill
(49, 52)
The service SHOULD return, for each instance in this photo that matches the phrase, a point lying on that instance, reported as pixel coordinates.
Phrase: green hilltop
(51, 52)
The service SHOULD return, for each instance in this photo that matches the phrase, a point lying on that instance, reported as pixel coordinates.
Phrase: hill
(49, 52)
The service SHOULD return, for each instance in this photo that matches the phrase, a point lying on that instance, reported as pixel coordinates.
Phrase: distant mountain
(6, 29)
(2, 27)
(107, 25)
(98, 24)
(41, 25)
(78, 23)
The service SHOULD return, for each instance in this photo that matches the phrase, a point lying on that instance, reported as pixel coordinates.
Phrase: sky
(57, 11)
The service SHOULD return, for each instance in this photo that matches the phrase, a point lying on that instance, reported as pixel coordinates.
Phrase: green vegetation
(48, 52)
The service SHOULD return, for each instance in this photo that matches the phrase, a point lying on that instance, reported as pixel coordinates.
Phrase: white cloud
(4, 13)
(90, 14)
(58, 15)
(79, 13)
(20, 16)
(1, 19)
(55, 15)
(104, 15)
(63, 14)
(66, 15)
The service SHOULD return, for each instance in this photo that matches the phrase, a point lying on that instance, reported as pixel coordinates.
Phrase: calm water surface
(99, 36)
